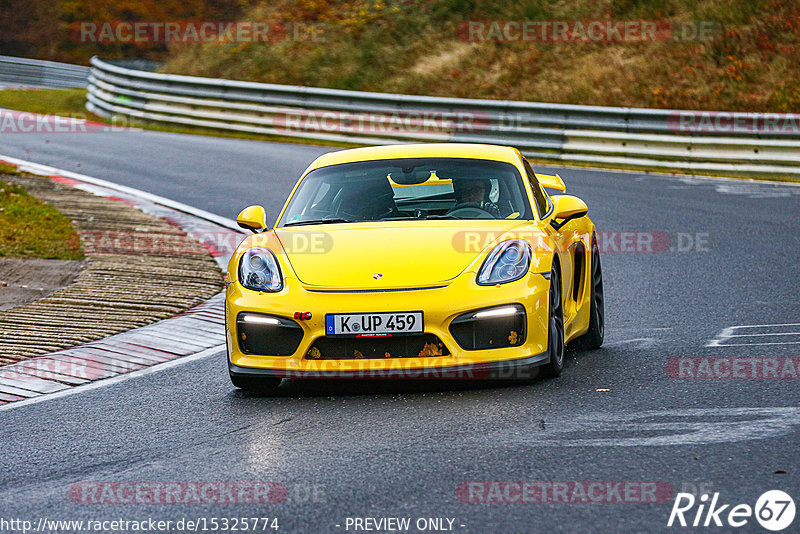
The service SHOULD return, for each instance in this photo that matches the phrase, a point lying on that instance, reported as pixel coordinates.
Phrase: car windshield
(408, 189)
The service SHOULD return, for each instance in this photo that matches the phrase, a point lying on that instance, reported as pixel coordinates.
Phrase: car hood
(388, 255)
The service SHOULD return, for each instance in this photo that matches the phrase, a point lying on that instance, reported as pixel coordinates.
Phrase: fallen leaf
(429, 350)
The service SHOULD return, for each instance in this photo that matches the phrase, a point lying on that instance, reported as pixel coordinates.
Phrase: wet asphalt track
(366, 449)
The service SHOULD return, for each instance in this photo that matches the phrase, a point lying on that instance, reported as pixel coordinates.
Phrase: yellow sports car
(414, 261)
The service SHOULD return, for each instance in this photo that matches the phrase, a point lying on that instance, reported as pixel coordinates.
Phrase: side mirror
(253, 218)
(567, 208)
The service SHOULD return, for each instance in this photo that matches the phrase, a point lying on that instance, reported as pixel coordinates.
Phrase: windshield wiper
(329, 220)
(425, 218)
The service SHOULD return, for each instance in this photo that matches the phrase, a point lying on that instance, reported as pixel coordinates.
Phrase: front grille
(373, 348)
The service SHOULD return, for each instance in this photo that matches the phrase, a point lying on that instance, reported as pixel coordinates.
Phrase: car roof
(423, 150)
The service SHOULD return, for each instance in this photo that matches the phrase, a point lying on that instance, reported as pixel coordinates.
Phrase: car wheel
(593, 338)
(256, 384)
(555, 334)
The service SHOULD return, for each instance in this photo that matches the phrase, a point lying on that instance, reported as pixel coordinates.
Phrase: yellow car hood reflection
(382, 255)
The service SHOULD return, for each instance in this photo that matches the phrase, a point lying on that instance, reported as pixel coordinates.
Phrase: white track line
(770, 334)
(764, 325)
(728, 333)
(754, 344)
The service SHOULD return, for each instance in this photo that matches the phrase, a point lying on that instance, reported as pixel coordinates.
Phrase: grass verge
(30, 228)
(731, 55)
(47, 101)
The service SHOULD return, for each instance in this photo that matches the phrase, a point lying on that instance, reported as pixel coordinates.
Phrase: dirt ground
(25, 280)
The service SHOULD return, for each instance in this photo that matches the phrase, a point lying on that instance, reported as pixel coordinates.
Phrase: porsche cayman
(414, 261)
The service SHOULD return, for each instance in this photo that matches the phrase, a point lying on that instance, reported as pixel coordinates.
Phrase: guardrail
(40, 73)
(741, 143)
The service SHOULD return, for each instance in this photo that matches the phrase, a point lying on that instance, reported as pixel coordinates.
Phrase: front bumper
(440, 306)
(508, 370)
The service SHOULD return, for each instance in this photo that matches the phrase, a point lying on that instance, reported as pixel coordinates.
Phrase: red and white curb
(196, 333)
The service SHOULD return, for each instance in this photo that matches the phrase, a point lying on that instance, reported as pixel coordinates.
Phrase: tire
(555, 330)
(256, 384)
(593, 338)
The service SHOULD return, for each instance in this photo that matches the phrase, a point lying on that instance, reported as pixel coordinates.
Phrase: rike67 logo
(774, 510)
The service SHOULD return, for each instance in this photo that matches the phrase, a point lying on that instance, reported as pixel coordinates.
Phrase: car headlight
(258, 270)
(507, 262)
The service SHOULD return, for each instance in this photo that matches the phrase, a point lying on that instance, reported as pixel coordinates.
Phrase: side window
(542, 202)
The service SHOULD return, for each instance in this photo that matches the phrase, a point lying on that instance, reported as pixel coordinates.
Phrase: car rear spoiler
(553, 181)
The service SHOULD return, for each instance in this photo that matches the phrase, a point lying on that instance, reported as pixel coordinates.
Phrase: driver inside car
(474, 193)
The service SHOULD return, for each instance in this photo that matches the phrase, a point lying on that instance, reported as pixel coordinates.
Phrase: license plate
(373, 324)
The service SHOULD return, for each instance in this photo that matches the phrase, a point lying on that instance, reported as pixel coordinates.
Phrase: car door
(569, 248)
